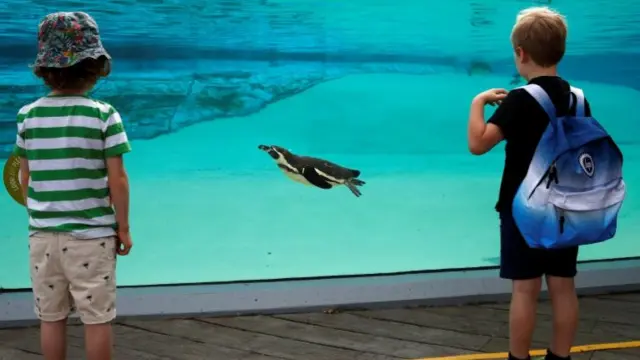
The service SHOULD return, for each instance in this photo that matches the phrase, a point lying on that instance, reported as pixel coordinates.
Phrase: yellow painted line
(575, 349)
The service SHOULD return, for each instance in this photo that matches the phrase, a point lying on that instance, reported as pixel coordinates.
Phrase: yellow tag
(11, 178)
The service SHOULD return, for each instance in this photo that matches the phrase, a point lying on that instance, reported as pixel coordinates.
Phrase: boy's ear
(522, 55)
(106, 69)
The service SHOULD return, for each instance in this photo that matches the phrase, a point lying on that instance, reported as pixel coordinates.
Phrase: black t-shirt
(523, 121)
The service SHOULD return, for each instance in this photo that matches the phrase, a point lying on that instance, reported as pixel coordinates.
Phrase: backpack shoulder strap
(542, 98)
(580, 106)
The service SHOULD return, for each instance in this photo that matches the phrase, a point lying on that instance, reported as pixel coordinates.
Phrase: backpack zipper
(552, 175)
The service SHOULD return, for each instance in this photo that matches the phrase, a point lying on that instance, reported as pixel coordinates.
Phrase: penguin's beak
(269, 150)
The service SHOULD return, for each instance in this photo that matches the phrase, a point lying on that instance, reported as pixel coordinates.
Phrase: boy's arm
(119, 190)
(116, 144)
(483, 136)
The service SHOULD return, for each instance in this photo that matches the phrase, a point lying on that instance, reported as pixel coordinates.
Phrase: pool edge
(16, 308)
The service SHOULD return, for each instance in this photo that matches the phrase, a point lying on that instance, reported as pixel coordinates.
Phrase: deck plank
(7, 353)
(618, 331)
(592, 309)
(27, 341)
(582, 356)
(259, 343)
(428, 319)
(140, 339)
(500, 312)
(544, 323)
(502, 344)
(392, 330)
(615, 355)
(334, 337)
(633, 297)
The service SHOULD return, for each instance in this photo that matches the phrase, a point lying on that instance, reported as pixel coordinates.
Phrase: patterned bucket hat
(66, 38)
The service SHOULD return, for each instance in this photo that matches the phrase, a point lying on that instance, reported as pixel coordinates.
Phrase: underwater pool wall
(379, 87)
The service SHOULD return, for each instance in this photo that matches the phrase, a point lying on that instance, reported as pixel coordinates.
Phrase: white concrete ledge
(16, 308)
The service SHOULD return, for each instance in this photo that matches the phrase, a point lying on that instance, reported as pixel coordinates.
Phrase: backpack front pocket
(585, 217)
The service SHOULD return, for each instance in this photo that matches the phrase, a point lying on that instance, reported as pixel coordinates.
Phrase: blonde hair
(541, 33)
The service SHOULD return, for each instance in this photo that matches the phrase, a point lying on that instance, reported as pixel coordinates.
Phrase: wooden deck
(353, 335)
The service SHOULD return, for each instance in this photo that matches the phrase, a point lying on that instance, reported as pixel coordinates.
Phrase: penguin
(312, 171)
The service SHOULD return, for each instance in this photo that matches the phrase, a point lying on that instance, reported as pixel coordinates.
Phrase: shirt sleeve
(116, 142)
(505, 115)
(20, 149)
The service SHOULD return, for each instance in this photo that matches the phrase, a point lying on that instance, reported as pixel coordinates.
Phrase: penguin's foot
(353, 188)
(357, 182)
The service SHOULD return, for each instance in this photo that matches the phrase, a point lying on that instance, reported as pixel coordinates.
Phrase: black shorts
(520, 262)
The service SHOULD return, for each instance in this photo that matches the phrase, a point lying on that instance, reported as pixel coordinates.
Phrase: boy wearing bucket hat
(72, 176)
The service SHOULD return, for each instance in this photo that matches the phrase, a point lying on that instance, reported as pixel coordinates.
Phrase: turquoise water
(382, 86)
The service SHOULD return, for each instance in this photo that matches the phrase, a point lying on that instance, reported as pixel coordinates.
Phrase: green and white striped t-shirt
(66, 141)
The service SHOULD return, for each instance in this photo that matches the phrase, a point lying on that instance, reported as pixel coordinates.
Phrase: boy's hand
(491, 96)
(124, 244)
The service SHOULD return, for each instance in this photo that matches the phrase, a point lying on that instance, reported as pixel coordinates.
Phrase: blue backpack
(573, 190)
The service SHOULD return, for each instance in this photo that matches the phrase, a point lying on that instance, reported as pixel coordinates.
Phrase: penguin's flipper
(314, 178)
(353, 189)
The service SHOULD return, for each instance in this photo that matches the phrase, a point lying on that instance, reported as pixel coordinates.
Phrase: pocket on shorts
(106, 266)
(110, 246)
(106, 246)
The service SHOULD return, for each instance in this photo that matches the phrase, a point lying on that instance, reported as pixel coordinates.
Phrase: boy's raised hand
(492, 96)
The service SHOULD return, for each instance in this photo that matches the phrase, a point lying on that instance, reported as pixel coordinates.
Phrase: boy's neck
(549, 71)
(67, 93)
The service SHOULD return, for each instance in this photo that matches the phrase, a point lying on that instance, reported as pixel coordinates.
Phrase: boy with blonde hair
(538, 39)
(72, 175)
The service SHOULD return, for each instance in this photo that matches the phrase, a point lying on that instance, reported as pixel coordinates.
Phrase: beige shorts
(68, 274)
